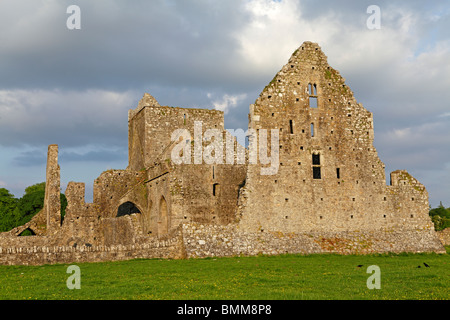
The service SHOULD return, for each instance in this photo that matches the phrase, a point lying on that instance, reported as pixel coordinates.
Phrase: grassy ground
(255, 278)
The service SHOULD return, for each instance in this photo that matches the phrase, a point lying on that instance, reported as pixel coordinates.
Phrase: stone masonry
(328, 193)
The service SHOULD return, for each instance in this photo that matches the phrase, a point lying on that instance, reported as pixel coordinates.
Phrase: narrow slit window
(312, 129)
(317, 171)
(215, 189)
(338, 173)
(291, 126)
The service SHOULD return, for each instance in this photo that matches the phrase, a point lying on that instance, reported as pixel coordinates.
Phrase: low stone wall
(203, 240)
(41, 255)
(444, 236)
(210, 240)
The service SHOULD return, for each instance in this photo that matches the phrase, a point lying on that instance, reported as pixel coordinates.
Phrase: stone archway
(126, 209)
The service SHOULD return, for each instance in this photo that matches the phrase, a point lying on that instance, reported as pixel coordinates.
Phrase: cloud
(120, 44)
(419, 147)
(38, 156)
(227, 102)
(71, 118)
(74, 88)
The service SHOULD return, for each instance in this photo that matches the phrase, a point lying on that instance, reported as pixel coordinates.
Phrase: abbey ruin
(328, 194)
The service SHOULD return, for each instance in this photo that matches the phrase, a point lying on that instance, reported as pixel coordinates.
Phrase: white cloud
(227, 102)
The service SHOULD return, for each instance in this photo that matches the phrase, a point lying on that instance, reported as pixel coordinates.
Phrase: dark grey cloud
(38, 156)
(30, 158)
(67, 118)
(122, 44)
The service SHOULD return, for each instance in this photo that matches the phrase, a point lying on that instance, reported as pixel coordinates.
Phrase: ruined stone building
(328, 194)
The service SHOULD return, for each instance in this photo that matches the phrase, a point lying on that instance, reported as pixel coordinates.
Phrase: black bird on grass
(426, 265)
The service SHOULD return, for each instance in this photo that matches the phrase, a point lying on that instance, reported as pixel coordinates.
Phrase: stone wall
(329, 176)
(444, 236)
(37, 251)
(202, 240)
(193, 240)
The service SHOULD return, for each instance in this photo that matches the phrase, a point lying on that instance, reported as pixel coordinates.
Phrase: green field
(314, 277)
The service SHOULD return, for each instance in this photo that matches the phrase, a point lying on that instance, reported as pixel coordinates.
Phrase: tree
(35, 187)
(440, 217)
(29, 205)
(7, 205)
(17, 212)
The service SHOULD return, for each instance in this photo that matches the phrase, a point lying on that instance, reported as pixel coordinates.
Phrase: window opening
(316, 159)
(215, 189)
(317, 171)
(312, 88)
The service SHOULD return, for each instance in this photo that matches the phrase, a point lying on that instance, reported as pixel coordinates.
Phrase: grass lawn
(287, 277)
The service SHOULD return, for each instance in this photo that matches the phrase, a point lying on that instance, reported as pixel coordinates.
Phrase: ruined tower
(52, 202)
(330, 177)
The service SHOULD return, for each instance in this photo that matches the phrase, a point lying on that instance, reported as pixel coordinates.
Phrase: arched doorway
(163, 223)
(126, 209)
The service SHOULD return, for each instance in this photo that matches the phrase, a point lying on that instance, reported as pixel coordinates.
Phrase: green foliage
(7, 205)
(28, 206)
(26, 233)
(35, 187)
(17, 212)
(440, 217)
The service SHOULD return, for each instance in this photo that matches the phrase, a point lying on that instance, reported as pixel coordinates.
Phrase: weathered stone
(328, 194)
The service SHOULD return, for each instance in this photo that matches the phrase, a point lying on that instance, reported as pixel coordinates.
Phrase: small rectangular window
(291, 126)
(316, 159)
(338, 173)
(313, 102)
(317, 173)
(215, 189)
(312, 129)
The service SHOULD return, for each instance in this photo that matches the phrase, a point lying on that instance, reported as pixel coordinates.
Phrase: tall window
(317, 172)
(312, 89)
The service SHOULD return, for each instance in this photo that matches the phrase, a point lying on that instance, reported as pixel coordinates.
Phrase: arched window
(312, 90)
(126, 209)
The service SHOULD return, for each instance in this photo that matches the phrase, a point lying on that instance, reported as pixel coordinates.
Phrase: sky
(74, 87)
